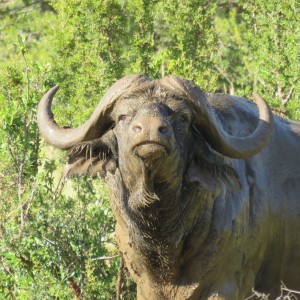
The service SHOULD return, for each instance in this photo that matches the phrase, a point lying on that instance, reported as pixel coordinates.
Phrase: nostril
(137, 128)
(163, 129)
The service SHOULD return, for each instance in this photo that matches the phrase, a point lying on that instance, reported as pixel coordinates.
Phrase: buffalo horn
(211, 127)
(94, 127)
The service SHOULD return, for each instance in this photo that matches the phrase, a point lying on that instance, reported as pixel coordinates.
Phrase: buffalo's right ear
(95, 157)
(209, 169)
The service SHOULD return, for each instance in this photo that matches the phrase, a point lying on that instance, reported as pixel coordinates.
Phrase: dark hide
(191, 222)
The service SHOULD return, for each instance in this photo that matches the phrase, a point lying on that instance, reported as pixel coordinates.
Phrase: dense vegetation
(57, 238)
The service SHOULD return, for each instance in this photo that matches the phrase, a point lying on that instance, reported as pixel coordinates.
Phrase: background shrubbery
(57, 239)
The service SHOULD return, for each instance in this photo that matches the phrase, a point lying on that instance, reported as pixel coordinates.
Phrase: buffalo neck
(157, 233)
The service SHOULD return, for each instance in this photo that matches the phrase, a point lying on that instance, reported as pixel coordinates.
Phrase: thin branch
(286, 99)
(257, 295)
(12, 154)
(51, 242)
(24, 150)
(105, 257)
(27, 75)
(5, 267)
(290, 291)
(26, 206)
(5, 187)
(231, 88)
(120, 278)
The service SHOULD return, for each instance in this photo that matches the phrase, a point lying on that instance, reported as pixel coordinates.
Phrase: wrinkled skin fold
(204, 187)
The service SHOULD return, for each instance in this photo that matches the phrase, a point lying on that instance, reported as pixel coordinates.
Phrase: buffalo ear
(202, 177)
(95, 157)
(209, 170)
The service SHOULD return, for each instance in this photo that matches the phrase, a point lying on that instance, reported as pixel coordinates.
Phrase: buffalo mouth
(150, 150)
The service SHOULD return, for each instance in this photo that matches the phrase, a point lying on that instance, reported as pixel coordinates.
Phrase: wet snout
(152, 128)
(152, 136)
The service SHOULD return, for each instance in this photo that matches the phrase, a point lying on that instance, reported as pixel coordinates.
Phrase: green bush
(57, 238)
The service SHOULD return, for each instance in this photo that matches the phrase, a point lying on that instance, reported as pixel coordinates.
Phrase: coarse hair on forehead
(155, 90)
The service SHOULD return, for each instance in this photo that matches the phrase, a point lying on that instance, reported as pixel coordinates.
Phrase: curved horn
(94, 127)
(211, 128)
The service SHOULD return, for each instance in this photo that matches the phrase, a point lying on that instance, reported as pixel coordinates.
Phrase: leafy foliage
(57, 238)
(259, 51)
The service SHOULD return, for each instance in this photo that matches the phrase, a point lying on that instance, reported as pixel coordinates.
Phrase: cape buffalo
(205, 188)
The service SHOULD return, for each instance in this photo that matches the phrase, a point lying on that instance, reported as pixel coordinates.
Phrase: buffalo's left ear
(95, 157)
(208, 169)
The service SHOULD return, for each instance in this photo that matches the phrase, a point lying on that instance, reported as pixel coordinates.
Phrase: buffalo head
(151, 120)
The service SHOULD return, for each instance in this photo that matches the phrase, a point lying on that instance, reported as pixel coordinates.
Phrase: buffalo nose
(152, 126)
